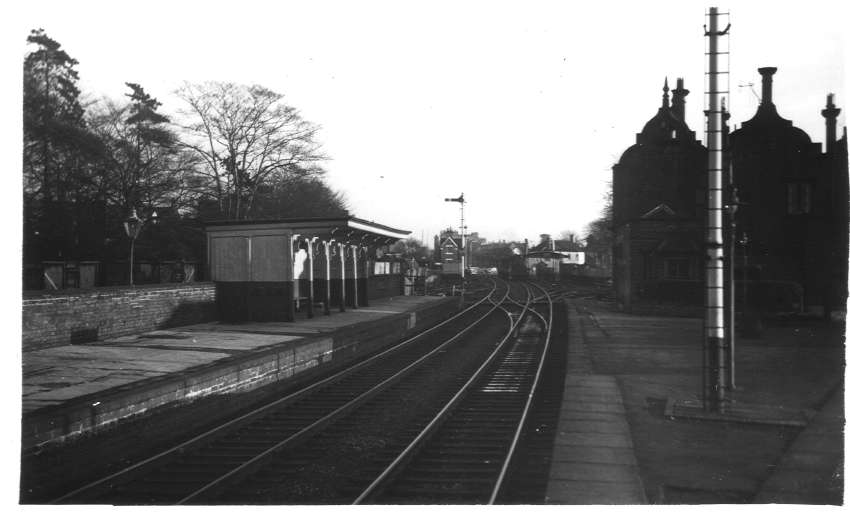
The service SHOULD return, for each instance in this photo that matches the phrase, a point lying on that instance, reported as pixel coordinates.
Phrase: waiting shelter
(267, 270)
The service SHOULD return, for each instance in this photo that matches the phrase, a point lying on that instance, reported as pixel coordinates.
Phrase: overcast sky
(522, 106)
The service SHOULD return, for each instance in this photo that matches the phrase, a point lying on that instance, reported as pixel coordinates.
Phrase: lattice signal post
(715, 345)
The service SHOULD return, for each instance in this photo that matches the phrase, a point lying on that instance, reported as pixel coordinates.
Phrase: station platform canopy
(348, 228)
(270, 269)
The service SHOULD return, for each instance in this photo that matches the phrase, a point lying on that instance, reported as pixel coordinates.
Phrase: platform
(593, 459)
(72, 389)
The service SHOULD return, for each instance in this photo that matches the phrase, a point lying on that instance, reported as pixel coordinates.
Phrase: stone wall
(79, 316)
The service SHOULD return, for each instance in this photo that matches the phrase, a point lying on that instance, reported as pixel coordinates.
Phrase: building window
(677, 268)
(799, 197)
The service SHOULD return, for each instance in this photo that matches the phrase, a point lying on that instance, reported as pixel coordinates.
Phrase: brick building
(658, 204)
(793, 216)
(792, 222)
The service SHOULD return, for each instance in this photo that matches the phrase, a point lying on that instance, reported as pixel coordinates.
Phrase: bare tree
(245, 137)
(410, 248)
(600, 232)
(144, 165)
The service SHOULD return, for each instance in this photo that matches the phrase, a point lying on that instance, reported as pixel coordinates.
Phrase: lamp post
(731, 209)
(132, 226)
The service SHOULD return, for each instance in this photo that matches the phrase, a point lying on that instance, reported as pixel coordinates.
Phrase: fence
(57, 275)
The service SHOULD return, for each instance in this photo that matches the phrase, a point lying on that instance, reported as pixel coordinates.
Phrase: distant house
(549, 256)
(450, 249)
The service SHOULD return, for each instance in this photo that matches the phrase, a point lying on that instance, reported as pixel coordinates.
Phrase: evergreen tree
(58, 153)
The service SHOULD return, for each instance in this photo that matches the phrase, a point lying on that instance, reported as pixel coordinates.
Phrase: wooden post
(365, 263)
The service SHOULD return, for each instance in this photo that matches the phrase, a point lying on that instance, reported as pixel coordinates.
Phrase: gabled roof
(660, 211)
(565, 245)
(446, 240)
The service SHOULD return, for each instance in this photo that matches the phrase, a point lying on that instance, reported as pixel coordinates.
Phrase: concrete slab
(739, 413)
(599, 408)
(573, 414)
(597, 455)
(582, 439)
(593, 472)
(573, 492)
(593, 461)
(595, 426)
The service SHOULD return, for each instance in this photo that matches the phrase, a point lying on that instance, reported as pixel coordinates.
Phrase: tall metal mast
(715, 375)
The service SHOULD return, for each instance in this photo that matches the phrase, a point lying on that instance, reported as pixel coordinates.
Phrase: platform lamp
(132, 226)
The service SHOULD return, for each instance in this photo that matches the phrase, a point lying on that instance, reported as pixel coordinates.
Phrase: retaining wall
(80, 316)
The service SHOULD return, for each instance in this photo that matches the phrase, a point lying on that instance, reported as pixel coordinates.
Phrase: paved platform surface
(616, 445)
(593, 461)
(57, 374)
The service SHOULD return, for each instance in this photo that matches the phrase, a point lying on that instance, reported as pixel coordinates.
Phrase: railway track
(464, 454)
(276, 453)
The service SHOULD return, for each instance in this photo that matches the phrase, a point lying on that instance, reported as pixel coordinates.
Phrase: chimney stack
(767, 85)
(830, 113)
(679, 95)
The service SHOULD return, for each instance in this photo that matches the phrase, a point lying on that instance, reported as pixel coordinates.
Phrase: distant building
(450, 249)
(448, 245)
(547, 258)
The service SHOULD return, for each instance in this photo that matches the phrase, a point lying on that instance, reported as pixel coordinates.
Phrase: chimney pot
(830, 113)
(767, 84)
(679, 95)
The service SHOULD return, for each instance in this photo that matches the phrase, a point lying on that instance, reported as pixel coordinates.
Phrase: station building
(792, 219)
(657, 208)
(791, 243)
(270, 270)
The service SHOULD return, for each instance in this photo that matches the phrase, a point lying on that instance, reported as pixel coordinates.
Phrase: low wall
(79, 316)
(388, 285)
(289, 362)
(254, 301)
